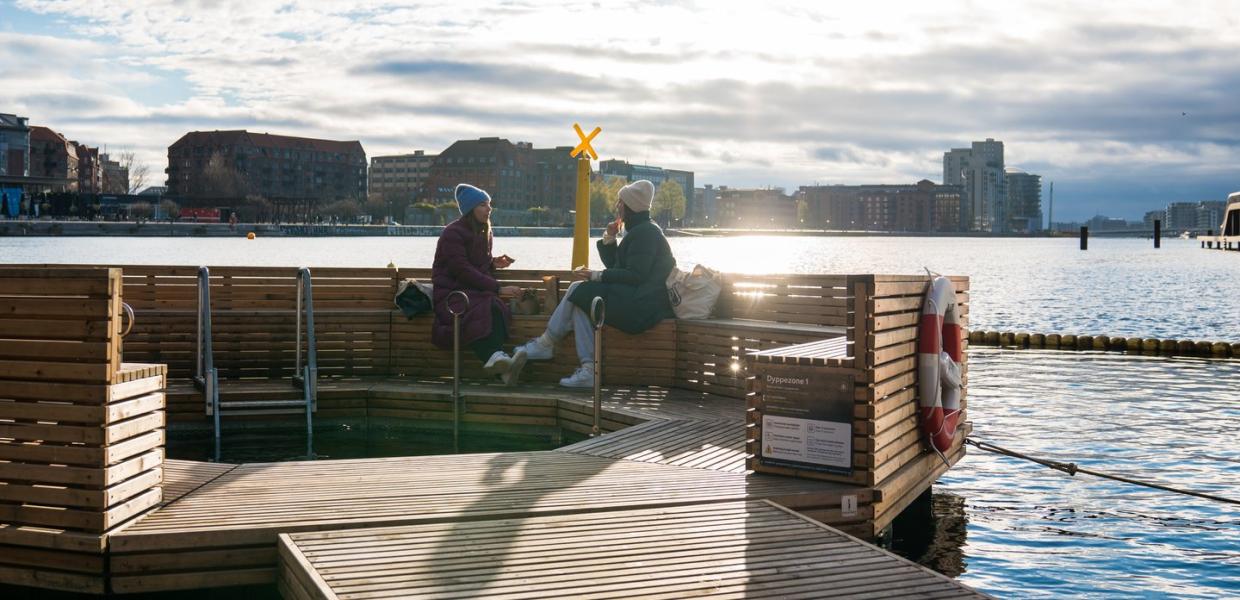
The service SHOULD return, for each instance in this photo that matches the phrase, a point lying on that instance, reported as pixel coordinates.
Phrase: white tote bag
(693, 293)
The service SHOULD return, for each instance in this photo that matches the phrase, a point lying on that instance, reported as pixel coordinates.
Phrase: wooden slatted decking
(714, 445)
(225, 532)
(184, 476)
(721, 550)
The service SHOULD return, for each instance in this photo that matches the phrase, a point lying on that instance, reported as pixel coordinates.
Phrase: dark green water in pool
(358, 439)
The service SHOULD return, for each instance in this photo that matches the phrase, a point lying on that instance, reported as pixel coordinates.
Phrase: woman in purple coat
(463, 262)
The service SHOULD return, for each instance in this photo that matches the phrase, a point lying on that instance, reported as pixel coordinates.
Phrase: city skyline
(1124, 111)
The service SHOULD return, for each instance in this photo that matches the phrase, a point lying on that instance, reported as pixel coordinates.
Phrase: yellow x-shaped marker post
(585, 146)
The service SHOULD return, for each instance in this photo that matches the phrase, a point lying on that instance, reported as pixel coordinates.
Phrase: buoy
(1203, 348)
(1166, 346)
(249, 236)
(1218, 349)
(1037, 340)
(1119, 343)
(1067, 341)
(391, 265)
(1149, 345)
(1005, 339)
(1102, 342)
(1134, 345)
(1052, 340)
(1084, 342)
(1184, 346)
(1022, 340)
(992, 338)
(1235, 350)
(938, 363)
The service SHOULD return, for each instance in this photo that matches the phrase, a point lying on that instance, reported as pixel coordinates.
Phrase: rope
(1072, 469)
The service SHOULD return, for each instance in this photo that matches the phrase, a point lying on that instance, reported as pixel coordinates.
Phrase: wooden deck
(721, 550)
(225, 532)
(184, 476)
(715, 445)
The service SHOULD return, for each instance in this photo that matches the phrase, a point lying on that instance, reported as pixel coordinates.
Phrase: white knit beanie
(638, 195)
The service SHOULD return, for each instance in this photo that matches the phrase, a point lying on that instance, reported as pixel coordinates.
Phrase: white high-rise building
(979, 170)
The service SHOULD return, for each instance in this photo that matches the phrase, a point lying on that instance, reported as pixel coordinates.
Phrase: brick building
(115, 176)
(756, 209)
(920, 207)
(90, 169)
(516, 175)
(399, 176)
(234, 164)
(53, 157)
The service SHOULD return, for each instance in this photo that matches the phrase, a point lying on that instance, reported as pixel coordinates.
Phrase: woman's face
(482, 212)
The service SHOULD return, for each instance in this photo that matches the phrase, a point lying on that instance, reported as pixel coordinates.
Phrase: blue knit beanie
(468, 197)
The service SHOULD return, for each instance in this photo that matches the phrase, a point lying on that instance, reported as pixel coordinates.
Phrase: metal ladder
(305, 377)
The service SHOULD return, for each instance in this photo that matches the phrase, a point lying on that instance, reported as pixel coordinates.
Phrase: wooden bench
(81, 433)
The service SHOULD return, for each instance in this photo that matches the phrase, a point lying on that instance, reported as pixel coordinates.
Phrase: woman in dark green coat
(633, 285)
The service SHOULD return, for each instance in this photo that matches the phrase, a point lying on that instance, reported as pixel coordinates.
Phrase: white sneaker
(498, 364)
(581, 378)
(539, 348)
(514, 369)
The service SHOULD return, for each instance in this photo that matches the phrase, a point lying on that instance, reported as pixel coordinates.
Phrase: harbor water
(1006, 527)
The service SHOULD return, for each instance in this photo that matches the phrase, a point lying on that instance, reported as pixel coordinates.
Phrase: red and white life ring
(938, 363)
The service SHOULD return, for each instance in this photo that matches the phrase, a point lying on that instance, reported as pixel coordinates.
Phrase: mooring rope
(1073, 469)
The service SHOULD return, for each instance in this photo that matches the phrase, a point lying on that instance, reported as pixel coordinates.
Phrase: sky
(1124, 106)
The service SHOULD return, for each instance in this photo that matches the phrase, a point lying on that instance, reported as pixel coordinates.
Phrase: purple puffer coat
(463, 262)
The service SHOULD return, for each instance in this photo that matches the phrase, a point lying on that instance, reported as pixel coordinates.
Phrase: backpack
(693, 294)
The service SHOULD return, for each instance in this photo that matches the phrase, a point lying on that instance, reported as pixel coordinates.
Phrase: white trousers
(569, 317)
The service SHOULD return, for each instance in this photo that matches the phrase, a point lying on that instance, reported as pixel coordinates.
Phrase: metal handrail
(598, 313)
(207, 378)
(309, 377)
(129, 317)
(205, 362)
(456, 366)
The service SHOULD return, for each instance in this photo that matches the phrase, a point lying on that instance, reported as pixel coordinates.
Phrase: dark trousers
(494, 342)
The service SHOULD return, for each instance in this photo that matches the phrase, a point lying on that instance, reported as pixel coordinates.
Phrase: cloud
(777, 93)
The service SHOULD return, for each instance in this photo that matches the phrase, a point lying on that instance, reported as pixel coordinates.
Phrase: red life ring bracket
(938, 363)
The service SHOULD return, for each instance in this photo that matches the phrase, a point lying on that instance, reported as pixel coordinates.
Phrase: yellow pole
(581, 226)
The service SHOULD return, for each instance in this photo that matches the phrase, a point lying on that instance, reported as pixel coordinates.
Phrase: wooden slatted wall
(903, 464)
(646, 359)
(81, 434)
(254, 319)
(889, 448)
(808, 299)
(755, 313)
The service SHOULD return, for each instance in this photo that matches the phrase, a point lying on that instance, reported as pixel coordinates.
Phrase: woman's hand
(503, 261)
(613, 228)
(510, 291)
(584, 274)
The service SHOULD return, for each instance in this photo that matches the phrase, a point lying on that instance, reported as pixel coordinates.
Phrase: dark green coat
(634, 283)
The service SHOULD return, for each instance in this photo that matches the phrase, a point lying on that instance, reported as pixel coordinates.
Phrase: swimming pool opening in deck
(682, 413)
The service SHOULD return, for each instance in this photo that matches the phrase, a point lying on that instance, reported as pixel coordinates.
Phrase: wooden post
(1157, 233)
(1084, 238)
